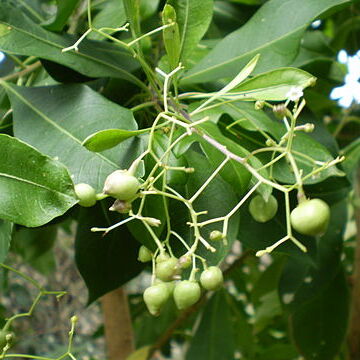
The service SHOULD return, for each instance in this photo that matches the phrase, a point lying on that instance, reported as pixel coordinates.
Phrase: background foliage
(69, 117)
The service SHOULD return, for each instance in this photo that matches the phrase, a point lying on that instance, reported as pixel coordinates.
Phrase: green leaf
(107, 139)
(5, 238)
(132, 11)
(193, 18)
(214, 338)
(68, 114)
(19, 35)
(305, 145)
(273, 85)
(64, 10)
(35, 246)
(35, 189)
(319, 326)
(111, 15)
(352, 157)
(105, 263)
(274, 32)
(171, 36)
(218, 199)
(233, 172)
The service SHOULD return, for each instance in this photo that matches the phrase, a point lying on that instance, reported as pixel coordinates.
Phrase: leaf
(218, 199)
(68, 114)
(270, 86)
(274, 32)
(35, 188)
(319, 326)
(105, 263)
(132, 11)
(240, 77)
(5, 238)
(171, 36)
(64, 10)
(111, 15)
(233, 172)
(273, 85)
(352, 157)
(19, 35)
(193, 18)
(107, 139)
(214, 338)
(305, 145)
(35, 246)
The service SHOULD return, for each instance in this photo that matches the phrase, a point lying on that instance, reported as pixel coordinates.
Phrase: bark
(118, 326)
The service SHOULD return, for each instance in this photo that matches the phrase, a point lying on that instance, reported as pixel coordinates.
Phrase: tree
(196, 141)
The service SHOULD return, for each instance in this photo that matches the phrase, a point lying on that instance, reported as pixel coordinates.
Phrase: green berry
(211, 278)
(261, 210)
(185, 261)
(155, 297)
(166, 270)
(5, 337)
(186, 293)
(86, 194)
(162, 257)
(121, 185)
(216, 235)
(145, 255)
(311, 217)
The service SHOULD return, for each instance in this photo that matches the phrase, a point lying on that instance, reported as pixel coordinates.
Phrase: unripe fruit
(121, 185)
(311, 217)
(170, 285)
(86, 194)
(145, 255)
(186, 293)
(185, 261)
(5, 337)
(155, 297)
(162, 257)
(261, 210)
(166, 270)
(211, 278)
(216, 235)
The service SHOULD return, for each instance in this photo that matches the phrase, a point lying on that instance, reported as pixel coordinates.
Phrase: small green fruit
(311, 217)
(261, 210)
(162, 257)
(211, 278)
(5, 337)
(155, 297)
(121, 185)
(86, 195)
(166, 270)
(216, 235)
(185, 261)
(145, 255)
(186, 293)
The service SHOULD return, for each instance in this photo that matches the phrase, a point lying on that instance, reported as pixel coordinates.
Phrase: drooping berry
(211, 278)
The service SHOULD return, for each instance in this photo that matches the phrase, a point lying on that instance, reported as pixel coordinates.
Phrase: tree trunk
(118, 327)
(354, 328)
